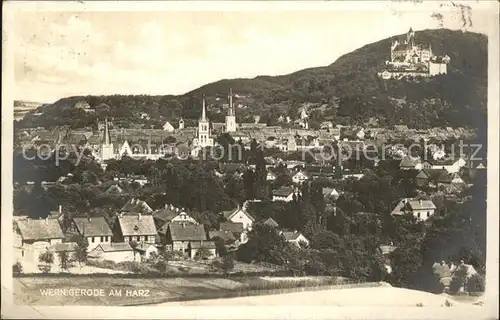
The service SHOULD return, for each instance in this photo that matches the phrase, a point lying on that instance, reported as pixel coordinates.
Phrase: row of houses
(136, 234)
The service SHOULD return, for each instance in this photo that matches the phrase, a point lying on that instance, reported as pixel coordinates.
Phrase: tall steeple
(231, 115)
(203, 111)
(107, 149)
(231, 110)
(106, 139)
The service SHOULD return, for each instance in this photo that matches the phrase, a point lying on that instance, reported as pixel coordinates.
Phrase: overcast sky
(60, 54)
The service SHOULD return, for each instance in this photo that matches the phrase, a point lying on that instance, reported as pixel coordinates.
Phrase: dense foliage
(346, 92)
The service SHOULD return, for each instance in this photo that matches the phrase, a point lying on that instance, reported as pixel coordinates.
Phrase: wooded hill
(346, 92)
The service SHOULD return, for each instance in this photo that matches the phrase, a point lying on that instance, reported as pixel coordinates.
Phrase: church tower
(204, 139)
(231, 115)
(410, 38)
(107, 151)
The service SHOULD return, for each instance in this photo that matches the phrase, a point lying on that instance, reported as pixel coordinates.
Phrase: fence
(248, 292)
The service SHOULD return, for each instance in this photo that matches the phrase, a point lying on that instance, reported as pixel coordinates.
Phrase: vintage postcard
(245, 160)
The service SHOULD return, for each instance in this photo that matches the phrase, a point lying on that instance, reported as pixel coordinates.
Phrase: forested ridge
(345, 92)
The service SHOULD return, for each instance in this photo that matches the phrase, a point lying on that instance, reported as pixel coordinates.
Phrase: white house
(420, 209)
(271, 176)
(145, 250)
(296, 238)
(117, 252)
(300, 177)
(239, 215)
(168, 127)
(284, 194)
(32, 237)
(95, 229)
(450, 165)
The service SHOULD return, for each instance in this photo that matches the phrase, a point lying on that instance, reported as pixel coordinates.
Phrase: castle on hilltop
(411, 59)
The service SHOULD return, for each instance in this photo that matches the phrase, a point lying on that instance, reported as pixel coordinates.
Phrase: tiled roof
(291, 235)
(166, 214)
(135, 225)
(434, 174)
(115, 246)
(230, 213)
(235, 227)
(283, 191)
(224, 235)
(187, 232)
(40, 229)
(271, 222)
(386, 249)
(203, 244)
(421, 204)
(136, 206)
(95, 226)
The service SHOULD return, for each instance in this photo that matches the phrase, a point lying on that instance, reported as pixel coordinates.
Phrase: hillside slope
(346, 92)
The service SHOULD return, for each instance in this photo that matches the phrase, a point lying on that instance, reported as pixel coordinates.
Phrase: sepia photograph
(222, 154)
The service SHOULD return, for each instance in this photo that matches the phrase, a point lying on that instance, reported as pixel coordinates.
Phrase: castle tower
(181, 123)
(204, 139)
(107, 151)
(231, 115)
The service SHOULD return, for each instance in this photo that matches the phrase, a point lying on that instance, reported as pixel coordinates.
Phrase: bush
(105, 264)
(475, 283)
(17, 268)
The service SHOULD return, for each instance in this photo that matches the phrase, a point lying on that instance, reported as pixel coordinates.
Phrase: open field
(35, 290)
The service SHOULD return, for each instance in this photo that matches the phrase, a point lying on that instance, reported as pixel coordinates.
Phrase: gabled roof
(224, 235)
(115, 246)
(39, 229)
(114, 189)
(235, 227)
(187, 232)
(421, 204)
(231, 213)
(95, 226)
(167, 214)
(432, 174)
(283, 191)
(271, 222)
(329, 191)
(386, 249)
(136, 206)
(136, 225)
(203, 245)
(292, 235)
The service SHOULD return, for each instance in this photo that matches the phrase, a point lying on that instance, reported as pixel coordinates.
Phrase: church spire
(106, 140)
(231, 110)
(203, 111)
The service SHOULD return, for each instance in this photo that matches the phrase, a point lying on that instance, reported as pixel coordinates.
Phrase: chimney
(166, 206)
(47, 220)
(183, 224)
(60, 208)
(420, 201)
(139, 216)
(171, 207)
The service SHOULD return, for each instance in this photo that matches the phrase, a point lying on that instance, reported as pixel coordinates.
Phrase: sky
(65, 53)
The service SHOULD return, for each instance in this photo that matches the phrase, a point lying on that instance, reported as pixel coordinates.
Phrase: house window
(138, 238)
(418, 214)
(93, 239)
(22, 253)
(102, 239)
(428, 214)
